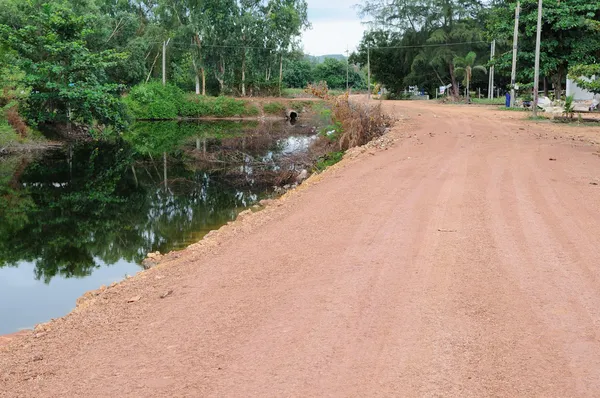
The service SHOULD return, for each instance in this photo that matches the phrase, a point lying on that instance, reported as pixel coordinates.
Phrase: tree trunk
(203, 81)
(244, 74)
(280, 72)
(558, 80)
(221, 78)
(165, 170)
(468, 88)
(196, 76)
(455, 92)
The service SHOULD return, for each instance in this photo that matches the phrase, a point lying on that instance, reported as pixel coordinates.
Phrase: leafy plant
(67, 78)
(155, 101)
(569, 107)
(466, 65)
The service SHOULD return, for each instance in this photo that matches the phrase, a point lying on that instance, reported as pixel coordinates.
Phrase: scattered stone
(42, 327)
(447, 230)
(151, 260)
(593, 183)
(37, 358)
(552, 159)
(39, 335)
(244, 214)
(134, 299)
(166, 294)
(302, 176)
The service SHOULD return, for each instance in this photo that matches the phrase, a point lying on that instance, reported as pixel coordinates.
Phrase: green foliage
(67, 78)
(328, 160)
(274, 108)
(155, 101)
(429, 34)
(569, 107)
(333, 71)
(154, 138)
(200, 106)
(298, 74)
(587, 77)
(569, 37)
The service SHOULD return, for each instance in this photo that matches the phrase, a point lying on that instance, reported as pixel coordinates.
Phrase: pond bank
(86, 214)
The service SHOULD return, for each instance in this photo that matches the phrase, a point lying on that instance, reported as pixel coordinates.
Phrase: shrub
(155, 101)
(569, 107)
(274, 107)
(200, 106)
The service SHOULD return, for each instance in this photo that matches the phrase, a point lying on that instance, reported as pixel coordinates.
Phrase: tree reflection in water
(162, 188)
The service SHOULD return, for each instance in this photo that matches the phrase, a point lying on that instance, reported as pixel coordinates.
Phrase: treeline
(432, 43)
(71, 60)
(337, 73)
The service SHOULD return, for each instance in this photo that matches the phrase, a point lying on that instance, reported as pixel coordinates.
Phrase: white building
(578, 93)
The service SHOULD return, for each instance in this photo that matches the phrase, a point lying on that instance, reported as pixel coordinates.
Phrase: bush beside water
(153, 101)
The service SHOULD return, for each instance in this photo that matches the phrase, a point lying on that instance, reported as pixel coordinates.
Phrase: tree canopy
(415, 42)
(78, 57)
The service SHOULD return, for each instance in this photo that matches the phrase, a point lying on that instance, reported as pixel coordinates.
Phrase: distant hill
(321, 58)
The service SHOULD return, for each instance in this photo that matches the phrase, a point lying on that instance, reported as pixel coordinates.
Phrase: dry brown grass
(16, 121)
(360, 122)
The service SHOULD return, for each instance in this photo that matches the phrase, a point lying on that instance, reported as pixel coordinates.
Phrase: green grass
(513, 109)
(487, 101)
(537, 118)
(10, 137)
(328, 160)
(7, 134)
(294, 93)
(274, 107)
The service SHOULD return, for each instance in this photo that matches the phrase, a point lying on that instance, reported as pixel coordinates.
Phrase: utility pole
(347, 70)
(369, 73)
(513, 76)
(164, 61)
(536, 80)
(492, 70)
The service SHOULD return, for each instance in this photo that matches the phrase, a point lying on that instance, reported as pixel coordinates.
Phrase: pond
(85, 215)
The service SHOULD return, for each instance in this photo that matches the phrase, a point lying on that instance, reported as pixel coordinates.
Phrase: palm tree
(467, 65)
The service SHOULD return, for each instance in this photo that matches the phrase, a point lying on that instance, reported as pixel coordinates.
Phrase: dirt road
(461, 262)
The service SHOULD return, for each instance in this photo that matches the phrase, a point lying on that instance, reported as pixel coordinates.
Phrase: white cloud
(335, 26)
(332, 37)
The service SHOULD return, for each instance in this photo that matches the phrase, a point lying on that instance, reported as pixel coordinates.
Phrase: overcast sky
(335, 25)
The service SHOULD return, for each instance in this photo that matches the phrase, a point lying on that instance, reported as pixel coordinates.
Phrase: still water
(85, 215)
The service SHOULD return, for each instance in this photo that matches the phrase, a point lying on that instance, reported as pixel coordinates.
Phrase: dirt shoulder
(458, 261)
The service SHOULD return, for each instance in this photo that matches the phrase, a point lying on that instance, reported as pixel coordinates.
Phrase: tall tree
(570, 36)
(466, 66)
(68, 79)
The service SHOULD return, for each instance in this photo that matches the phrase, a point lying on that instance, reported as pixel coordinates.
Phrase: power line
(372, 48)
(212, 45)
(431, 45)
